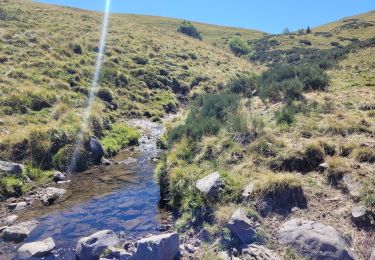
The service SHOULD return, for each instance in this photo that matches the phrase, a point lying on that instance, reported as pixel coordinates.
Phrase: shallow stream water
(122, 197)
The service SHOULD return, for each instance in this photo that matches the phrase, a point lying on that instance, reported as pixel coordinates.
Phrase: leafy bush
(119, 137)
(218, 106)
(189, 29)
(288, 81)
(245, 85)
(239, 46)
(207, 115)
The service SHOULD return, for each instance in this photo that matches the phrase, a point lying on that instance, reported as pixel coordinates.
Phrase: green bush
(288, 82)
(245, 85)
(119, 137)
(239, 46)
(208, 113)
(64, 160)
(189, 29)
(218, 106)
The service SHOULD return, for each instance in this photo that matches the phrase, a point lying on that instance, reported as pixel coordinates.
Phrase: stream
(122, 197)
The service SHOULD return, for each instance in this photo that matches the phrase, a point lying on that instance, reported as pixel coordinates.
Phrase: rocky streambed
(122, 197)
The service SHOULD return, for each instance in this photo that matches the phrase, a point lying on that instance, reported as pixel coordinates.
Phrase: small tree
(239, 46)
(308, 30)
(189, 29)
(286, 31)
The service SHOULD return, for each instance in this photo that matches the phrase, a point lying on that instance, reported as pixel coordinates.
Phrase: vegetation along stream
(122, 197)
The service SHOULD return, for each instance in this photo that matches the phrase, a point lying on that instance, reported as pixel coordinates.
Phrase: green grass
(119, 137)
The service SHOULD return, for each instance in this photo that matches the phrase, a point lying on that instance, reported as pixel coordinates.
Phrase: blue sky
(267, 15)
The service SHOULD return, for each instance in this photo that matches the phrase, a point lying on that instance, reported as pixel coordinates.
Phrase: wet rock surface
(51, 194)
(19, 232)
(93, 246)
(36, 249)
(314, 240)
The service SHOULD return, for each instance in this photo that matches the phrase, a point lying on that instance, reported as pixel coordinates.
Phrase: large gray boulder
(19, 232)
(9, 168)
(258, 252)
(314, 240)
(211, 186)
(36, 249)
(51, 194)
(242, 226)
(92, 247)
(159, 247)
(95, 149)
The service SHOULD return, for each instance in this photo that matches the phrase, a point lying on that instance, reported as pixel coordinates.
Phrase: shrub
(313, 78)
(239, 46)
(365, 154)
(207, 115)
(292, 89)
(119, 137)
(245, 85)
(105, 95)
(218, 106)
(189, 29)
(71, 159)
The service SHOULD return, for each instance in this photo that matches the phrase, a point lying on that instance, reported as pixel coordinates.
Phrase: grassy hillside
(276, 137)
(47, 57)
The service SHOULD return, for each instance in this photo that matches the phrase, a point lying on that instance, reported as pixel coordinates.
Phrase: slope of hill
(308, 155)
(47, 56)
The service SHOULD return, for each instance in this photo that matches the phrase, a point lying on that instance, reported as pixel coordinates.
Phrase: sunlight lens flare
(94, 86)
